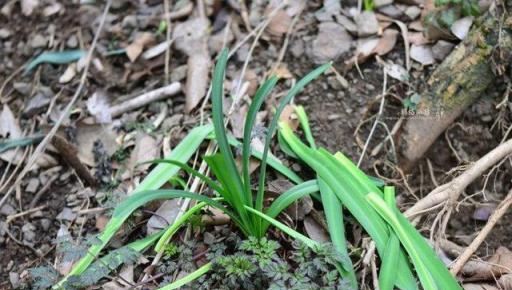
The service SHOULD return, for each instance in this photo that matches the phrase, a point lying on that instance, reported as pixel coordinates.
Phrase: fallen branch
(144, 99)
(495, 217)
(453, 189)
(471, 68)
(69, 153)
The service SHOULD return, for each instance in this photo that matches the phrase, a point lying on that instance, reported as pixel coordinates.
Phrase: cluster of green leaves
(466, 7)
(256, 264)
(342, 183)
(233, 187)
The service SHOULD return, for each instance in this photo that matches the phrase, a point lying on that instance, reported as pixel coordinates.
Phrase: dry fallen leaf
(146, 149)
(472, 286)
(460, 28)
(141, 41)
(99, 107)
(499, 264)
(505, 281)
(28, 6)
(164, 216)
(387, 42)
(86, 135)
(10, 129)
(422, 54)
(417, 38)
(278, 25)
(315, 231)
(68, 74)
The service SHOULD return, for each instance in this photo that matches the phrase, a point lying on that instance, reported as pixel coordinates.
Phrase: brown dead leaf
(505, 281)
(315, 231)
(416, 25)
(99, 107)
(164, 216)
(101, 222)
(288, 117)
(146, 149)
(387, 42)
(283, 72)
(417, 38)
(472, 286)
(499, 264)
(142, 40)
(278, 25)
(87, 134)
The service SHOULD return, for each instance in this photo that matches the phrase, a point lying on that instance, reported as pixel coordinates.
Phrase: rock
(28, 6)
(14, 278)
(29, 234)
(36, 105)
(441, 49)
(32, 185)
(72, 41)
(422, 54)
(22, 88)
(330, 43)
(349, 25)
(7, 210)
(367, 23)
(460, 28)
(391, 11)
(4, 33)
(38, 41)
(66, 214)
(380, 3)
(297, 48)
(412, 12)
(129, 21)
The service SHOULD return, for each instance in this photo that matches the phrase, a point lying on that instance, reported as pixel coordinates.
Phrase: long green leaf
(182, 153)
(220, 130)
(388, 214)
(273, 125)
(389, 261)
(173, 228)
(288, 197)
(286, 229)
(334, 217)
(232, 196)
(124, 210)
(352, 195)
(189, 170)
(60, 57)
(424, 258)
(272, 161)
(250, 119)
(189, 278)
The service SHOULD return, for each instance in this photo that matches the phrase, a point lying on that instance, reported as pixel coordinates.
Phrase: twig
(145, 99)
(15, 216)
(69, 153)
(377, 119)
(453, 189)
(477, 241)
(65, 113)
(167, 9)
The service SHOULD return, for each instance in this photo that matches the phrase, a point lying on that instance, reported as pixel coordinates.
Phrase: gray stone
(28, 231)
(441, 49)
(367, 23)
(330, 43)
(45, 224)
(390, 10)
(380, 3)
(14, 278)
(66, 214)
(72, 41)
(38, 41)
(412, 12)
(7, 209)
(4, 33)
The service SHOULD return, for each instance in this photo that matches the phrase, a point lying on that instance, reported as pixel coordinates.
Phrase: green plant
(365, 202)
(233, 187)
